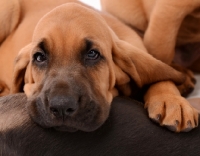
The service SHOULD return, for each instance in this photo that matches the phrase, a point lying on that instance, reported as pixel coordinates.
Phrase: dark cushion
(128, 131)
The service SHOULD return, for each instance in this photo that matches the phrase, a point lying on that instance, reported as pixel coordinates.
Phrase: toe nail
(189, 124)
(172, 128)
(176, 123)
(157, 119)
(187, 129)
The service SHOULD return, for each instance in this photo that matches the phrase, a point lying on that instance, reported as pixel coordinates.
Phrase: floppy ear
(22, 70)
(141, 66)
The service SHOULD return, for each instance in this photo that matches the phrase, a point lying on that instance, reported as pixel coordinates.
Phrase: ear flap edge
(20, 67)
(142, 67)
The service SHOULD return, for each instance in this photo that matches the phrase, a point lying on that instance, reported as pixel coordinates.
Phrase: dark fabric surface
(128, 131)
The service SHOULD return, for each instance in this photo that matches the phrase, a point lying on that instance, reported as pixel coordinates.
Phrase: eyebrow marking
(43, 45)
(88, 44)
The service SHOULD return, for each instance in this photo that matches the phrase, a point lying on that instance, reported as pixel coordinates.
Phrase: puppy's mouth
(88, 117)
(65, 129)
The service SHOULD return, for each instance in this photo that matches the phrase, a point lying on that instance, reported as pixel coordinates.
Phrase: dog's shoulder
(9, 17)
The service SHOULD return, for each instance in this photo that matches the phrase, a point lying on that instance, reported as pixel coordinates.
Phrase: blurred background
(94, 3)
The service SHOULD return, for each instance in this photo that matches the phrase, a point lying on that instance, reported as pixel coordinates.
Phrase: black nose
(63, 106)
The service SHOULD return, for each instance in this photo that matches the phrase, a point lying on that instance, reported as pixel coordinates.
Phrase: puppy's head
(73, 66)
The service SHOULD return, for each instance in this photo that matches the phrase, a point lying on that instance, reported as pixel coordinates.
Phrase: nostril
(55, 112)
(63, 106)
(62, 112)
(70, 110)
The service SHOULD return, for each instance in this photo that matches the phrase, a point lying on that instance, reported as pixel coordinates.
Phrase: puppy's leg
(164, 23)
(166, 106)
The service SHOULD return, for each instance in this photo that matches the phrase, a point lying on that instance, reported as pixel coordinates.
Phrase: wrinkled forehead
(71, 24)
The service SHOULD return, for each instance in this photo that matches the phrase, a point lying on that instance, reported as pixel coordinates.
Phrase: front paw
(188, 86)
(173, 112)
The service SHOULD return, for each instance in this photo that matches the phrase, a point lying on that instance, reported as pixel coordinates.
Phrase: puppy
(79, 59)
(168, 26)
(18, 19)
(127, 131)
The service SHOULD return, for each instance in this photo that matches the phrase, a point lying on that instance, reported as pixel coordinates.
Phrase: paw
(173, 112)
(188, 86)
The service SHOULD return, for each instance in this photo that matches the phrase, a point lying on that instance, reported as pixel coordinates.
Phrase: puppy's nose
(63, 106)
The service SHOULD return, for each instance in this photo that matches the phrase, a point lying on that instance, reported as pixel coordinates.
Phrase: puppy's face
(73, 66)
(69, 80)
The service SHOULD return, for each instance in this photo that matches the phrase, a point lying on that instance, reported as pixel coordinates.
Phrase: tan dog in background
(79, 59)
(166, 25)
(18, 19)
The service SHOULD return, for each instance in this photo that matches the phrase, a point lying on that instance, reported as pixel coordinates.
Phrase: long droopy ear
(22, 70)
(140, 66)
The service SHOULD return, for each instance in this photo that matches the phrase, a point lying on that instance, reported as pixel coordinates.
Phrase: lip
(65, 128)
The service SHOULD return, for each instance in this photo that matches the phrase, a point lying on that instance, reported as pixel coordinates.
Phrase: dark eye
(39, 57)
(92, 55)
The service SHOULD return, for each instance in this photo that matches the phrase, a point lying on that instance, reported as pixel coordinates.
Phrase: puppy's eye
(92, 55)
(39, 57)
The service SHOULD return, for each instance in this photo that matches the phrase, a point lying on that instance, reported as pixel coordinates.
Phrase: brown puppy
(79, 59)
(18, 19)
(166, 24)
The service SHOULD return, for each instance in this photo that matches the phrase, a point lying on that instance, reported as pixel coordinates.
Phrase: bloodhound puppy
(78, 59)
(127, 131)
(170, 31)
(166, 24)
(18, 19)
